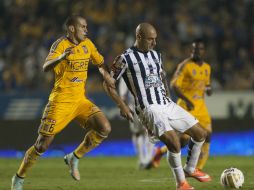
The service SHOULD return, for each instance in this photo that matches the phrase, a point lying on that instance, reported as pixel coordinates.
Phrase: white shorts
(161, 118)
(136, 126)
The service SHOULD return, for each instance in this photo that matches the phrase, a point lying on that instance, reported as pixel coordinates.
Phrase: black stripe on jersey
(135, 81)
(127, 82)
(165, 98)
(148, 63)
(55, 44)
(156, 63)
(143, 74)
(158, 72)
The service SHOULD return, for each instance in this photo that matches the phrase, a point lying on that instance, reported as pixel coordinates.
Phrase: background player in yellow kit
(190, 82)
(68, 58)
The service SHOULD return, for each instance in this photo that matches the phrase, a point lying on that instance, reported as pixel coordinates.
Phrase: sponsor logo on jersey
(76, 79)
(152, 81)
(78, 65)
(194, 72)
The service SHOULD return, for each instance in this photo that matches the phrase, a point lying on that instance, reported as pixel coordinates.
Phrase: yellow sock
(164, 150)
(91, 140)
(203, 155)
(29, 160)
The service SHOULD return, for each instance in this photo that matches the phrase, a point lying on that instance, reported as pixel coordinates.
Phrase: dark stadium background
(29, 27)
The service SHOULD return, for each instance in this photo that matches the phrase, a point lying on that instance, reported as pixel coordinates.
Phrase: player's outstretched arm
(106, 76)
(125, 111)
(50, 64)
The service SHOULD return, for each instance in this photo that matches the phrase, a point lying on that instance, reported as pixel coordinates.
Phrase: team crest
(194, 72)
(85, 49)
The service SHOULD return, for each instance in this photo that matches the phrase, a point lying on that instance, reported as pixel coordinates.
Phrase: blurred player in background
(141, 68)
(191, 81)
(68, 58)
(143, 147)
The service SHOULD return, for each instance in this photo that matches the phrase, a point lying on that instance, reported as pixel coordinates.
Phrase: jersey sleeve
(179, 74)
(118, 67)
(96, 57)
(56, 50)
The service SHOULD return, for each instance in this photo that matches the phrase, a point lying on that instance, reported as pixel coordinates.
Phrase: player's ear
(138, 36)
(71, 28)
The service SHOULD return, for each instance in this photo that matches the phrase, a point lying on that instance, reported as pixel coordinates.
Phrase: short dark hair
(198, 40)
(72, 20)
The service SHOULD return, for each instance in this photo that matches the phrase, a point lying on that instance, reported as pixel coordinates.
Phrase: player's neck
(139, 48)
(72, 39)
(197, 61)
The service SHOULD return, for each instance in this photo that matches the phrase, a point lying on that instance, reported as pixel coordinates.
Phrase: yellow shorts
(57, 115)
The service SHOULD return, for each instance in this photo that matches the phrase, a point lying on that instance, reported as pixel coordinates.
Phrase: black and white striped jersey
(141, 72)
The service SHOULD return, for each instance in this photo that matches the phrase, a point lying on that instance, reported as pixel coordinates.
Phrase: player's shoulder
(127, 52)
(207, 65)
(59, 42)
(88, 42)
(184, 64)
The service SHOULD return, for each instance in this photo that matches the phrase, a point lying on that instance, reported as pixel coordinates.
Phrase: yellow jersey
(71, 72)
(192, 80)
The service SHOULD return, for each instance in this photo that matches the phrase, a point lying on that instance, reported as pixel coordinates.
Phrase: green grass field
(117, 173)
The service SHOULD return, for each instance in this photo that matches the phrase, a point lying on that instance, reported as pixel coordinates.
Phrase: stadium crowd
(28, 28)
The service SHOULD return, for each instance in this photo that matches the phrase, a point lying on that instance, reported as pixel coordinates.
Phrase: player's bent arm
(50, 64)
(180, 94)
(106, 76)
(124, 109)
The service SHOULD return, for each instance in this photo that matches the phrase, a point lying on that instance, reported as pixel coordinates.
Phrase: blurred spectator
(28, 27)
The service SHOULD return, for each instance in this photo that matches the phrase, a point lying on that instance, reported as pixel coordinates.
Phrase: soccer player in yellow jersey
(68, 58)
(191, 82)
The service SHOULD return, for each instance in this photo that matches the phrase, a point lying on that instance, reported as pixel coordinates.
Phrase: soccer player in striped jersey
(68, 58)
(143, 147)
(141, 68)
(191, 82)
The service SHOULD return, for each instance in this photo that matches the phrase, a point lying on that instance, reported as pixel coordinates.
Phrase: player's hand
(66, 53)
(126, 112)
(189, 105)
(208, 90)
(69, 51)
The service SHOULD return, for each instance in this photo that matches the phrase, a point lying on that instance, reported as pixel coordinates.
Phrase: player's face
(80, 29)
(198, 51)
(148, 41)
